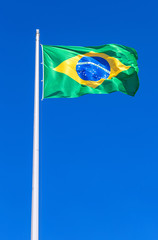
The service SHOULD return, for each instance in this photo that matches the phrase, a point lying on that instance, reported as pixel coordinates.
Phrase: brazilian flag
(71, 72)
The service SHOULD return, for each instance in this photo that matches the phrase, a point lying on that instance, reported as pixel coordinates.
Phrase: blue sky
(99, 153)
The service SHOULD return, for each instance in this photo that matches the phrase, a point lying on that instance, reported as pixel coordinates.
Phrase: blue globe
(93, 68)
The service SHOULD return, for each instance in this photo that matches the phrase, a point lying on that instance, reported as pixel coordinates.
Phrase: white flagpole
(35, 172)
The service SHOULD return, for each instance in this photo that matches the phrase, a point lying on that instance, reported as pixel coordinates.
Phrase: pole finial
(37, 31)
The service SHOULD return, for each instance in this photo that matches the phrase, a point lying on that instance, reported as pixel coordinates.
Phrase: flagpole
(35, 171)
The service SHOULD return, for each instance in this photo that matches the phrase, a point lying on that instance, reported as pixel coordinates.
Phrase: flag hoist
(85, 70)
(35, 172)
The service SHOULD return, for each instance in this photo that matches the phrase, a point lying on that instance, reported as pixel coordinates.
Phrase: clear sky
(99, 153)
